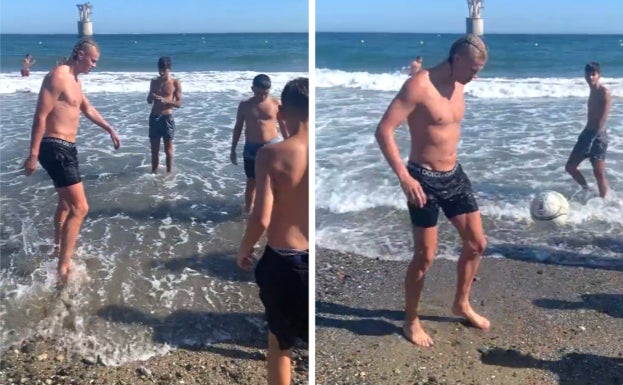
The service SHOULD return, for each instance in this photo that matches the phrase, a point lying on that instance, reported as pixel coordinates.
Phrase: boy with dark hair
(165, 93)
(593, 140)
(259, 115)
(282, 210)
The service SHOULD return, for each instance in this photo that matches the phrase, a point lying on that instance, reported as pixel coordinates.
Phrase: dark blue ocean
(158, 244)
(523, 115)
(271, 52)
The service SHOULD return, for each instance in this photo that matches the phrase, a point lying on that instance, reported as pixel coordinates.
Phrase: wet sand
(551, 324)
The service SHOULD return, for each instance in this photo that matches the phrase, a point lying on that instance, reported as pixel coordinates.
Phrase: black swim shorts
(284, 290)
(161, 126)
(60, 159)
(592, 145)
(450, 190)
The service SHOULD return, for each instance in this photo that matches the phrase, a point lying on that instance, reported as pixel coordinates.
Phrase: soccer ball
(550, 206)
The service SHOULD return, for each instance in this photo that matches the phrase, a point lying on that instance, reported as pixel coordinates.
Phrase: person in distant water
(282, 210)
(165, 93)
(28, 61)
(416, 65)
(433, 104)
(593, 140)
(52, 143)
(258, 115)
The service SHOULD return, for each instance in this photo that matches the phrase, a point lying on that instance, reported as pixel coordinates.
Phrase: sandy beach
(551, 324)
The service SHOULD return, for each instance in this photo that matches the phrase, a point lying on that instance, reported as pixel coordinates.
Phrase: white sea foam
(499, 88)
(131, 82)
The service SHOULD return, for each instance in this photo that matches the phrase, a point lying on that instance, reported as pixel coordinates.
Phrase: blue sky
(155, 16)
(448, 16)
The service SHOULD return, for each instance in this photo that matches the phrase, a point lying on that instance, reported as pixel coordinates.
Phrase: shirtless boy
(258, 115)
(593, 140)
(282, 210)
(165, 93)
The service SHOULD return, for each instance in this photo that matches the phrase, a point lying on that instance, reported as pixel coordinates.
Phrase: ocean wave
(138, 82)
(495, 88)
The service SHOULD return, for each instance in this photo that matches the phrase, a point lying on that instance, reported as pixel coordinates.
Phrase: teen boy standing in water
(165, 93)
(258, 115)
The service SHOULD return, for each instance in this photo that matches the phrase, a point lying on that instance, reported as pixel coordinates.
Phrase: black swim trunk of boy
(450, 190)
(60, 159)
(592, 145)
(283, 278)
(161, 126)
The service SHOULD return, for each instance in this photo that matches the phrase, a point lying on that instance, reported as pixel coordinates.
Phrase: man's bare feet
(415, 333)
(474, 318)
(64, 271)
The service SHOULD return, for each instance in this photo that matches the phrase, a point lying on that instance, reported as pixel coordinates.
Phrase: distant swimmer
(282, 211)
(165, 93)
(432, 102)
(26, 64)
(258, 115)
(415, 66)
(593, 140)
(53, 144)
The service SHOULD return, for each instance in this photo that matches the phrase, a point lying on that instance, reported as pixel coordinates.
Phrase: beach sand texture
(551, 324)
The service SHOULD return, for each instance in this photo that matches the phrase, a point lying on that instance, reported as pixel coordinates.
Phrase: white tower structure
(85, 27)
(474, 23)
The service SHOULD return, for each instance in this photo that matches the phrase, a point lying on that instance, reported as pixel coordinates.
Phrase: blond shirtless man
(52, 143)
(282, 210)
(433, 105)
(258, 115)
(593, 140)
(165, 93)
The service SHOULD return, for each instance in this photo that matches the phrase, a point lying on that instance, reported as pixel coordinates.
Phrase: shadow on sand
(366, 322)
(196, 331)
(610, 304)
(571, 368)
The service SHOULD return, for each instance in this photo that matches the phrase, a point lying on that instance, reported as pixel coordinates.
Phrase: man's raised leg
(425, 240)
(62, 210)
(470, 229)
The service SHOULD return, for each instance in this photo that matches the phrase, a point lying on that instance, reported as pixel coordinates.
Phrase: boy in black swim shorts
(282, 210)
(593, 140)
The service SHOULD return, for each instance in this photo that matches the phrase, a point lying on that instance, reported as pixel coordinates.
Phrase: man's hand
(233, 157)
(246, 260)
(413, 190)
(30, 165)
(115, 139)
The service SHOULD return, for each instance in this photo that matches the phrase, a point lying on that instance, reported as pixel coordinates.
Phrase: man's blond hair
(468, 44)
(83, 45)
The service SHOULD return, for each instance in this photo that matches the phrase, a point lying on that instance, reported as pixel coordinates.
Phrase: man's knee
(80, 209)
(423, 258)
(570, 168)
(475, 247)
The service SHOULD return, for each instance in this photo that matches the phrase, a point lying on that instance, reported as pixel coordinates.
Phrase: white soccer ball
(550, 207)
